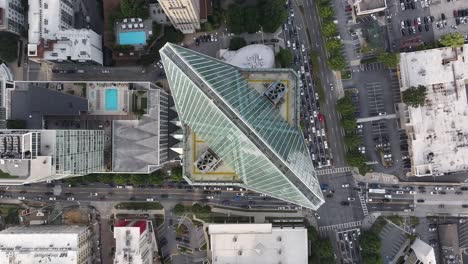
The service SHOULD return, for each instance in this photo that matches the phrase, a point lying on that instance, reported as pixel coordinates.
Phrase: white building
(53, 38)
(12, 16)
(257, 243)
(51, 244)
(250, 57)
(367, 7)
(423, 252)
(183, 14)
(134, 242)
(438, 131)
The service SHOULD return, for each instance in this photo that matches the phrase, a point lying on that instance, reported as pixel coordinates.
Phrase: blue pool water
(132, 38)
(111, 100)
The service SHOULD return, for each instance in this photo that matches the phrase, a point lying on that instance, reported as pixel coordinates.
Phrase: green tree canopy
(235, 16)
(372, 258)
(352, 141)
(236, 43)
(370, 242)
(415, 96)
(349, 124)
(106, 178)
(272, 14)
(333, 45)
(284, 57)
(179, 209)
(455, 39)
(337, 62)
(329, 29)
(357, 159)
(325, 11)
(121, 179)
(345, 106)
(176, 174)
(251, 24)
(8, 46)
(134, 8)
(138, 179)
(390, 60)
(156, 178)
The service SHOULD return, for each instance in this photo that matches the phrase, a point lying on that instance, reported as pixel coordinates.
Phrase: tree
(90, 178)
(333, 45)
(172, 35)
(179, 209)
(455, 39)
(372, 258)
(329, 29)
(273, 14)
(16, 124)
(349, 124)
(121, 179)
(156, 178)
(284, 57)
(236, 43)
(106, 178)
(8, 47)
(325, 11)
(370, 242)
(337, 62)
(390, 60)
(352, 141)
(176, 174)
(251, 20)
(355, 158)
(134, 8)
(345, 106)
(415, 96)
(234, 21)
(138, 179)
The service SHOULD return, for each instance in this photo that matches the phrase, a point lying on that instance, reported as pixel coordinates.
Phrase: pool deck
(96, 94)
(147, 28)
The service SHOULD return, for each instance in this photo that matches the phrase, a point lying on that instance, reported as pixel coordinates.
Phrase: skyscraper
(241, 126)
(183, 14)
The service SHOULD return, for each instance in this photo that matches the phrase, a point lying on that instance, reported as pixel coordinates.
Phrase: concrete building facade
(134, 242)
(12, 16)
(183, 14)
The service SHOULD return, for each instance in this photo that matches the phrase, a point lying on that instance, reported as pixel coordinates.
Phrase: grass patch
(369, 60)
(346, 74)
(139, 206)
(5, 175)
(396, 219)
(10, 213)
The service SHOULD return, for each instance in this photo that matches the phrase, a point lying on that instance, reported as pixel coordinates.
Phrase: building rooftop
(438, 130)
(257, 243)
(370, 6)
(41, 244)
(251, 56)
(44, 23)
(133, 245)
(423, 251)
(245, 127)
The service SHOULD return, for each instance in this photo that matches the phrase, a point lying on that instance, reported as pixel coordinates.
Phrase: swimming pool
(132, 38)
(111, 99)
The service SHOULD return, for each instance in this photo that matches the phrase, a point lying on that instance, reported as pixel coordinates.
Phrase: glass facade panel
(241, 126)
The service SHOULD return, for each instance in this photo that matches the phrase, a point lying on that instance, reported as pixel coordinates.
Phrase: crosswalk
(333, 170)
(374, 66)
(349, 225)
(362, 200)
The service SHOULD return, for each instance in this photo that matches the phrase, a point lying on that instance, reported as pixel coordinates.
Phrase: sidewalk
(376, 177)
(259, 217)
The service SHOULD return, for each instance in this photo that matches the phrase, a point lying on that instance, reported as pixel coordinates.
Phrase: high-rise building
(12, 16)
(134, 242)
(242, 126)
(46, 244)
(40, 155)
(183, 14)
(52, 37)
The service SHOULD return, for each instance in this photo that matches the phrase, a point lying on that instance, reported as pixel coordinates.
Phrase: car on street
(93, 194)
(450, 188)
(433, 193)
(420, 200)
(346, 185)
(413, 192)
(239, 194)
(210, 197)
(52, 198)
(317, 215)
(288, 43)
(345, 203)
(382, 113)
(229, 189)
(302, 48)
(70, 198)
(21, 198)
(320, 117)
(399, 192)
(388, 196)
(351, 199)
(438, 188)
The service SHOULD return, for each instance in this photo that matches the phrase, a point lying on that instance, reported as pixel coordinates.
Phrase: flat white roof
(438, 130)
(44, 22)
(251, 56)
(423, 252)
(257, 243)
(40, 244)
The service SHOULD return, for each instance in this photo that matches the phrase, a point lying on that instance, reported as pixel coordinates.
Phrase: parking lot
(347, 241)
(452, 15)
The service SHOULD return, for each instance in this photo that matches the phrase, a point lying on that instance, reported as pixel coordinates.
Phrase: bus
(382, 191)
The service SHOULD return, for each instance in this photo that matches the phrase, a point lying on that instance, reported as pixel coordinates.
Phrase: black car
(464, 188)
(442, 16)
(413, 5)
(408, 22)
(442, 192)
(420, 28)
(403, 32)
(426, 21)
(426, 27)
(345, 203)
(465, 205)
(164, 196)
(274, 40)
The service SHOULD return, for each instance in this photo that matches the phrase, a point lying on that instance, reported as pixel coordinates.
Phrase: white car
(402, 24)
(311, 119)
(119, 186)
(316, 96)
(400, 192)
(239, 194)
(323, 132)
(52, 198)
(21, 198)
(313, 130)
(288, 44)
(217, 188)
(388, 196)
(93, 194)
(450, 188)
(71, 199)
(210, 197)
(229, 189)
(294, 46)
(413, 192)
(302, 70)
(302, 48)
(346, 185)
(317, 215)
(382, 113)
(433, 193)
(315, 113)
(325, 144)
(351, 199)
(438, 188)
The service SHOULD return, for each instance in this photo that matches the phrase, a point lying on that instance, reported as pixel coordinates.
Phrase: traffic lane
(392, 207)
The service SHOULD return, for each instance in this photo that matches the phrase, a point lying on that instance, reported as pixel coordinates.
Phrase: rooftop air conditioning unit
(207, 161)
(276, 92)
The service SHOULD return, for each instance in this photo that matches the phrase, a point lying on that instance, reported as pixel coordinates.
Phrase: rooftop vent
(207, 161)
(275, 92)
